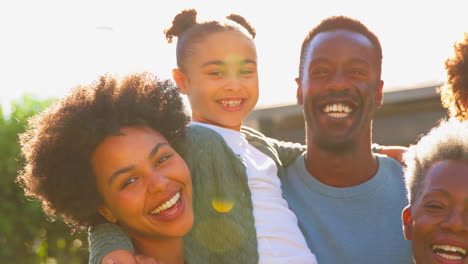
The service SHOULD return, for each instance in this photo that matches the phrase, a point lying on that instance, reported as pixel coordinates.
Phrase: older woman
(436, 219)
(108, 153)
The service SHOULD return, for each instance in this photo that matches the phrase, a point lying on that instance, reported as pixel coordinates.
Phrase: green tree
(27, 235)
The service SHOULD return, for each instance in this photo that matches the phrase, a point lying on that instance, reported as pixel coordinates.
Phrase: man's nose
(338, 81)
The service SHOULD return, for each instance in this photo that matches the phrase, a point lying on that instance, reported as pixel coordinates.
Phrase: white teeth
(167, 204)
(451, 257)
(457, 250)
(337, 108)
(231, 103)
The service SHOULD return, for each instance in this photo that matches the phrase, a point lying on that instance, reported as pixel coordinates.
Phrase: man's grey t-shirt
(359, 224)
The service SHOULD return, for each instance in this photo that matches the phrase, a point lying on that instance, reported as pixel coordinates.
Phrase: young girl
(107, 153)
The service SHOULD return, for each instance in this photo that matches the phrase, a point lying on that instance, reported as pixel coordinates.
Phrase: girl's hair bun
(182, 21)
(243, 22)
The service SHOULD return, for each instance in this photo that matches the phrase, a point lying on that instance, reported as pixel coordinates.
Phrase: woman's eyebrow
(116, 174)
(156, 149)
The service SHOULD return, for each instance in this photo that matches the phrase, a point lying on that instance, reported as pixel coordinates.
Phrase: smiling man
(347, 199)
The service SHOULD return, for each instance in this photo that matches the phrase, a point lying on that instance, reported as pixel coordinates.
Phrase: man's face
(340, 89)
(437, 222)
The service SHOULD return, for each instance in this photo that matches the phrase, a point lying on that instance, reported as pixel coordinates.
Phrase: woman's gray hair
(448, 141)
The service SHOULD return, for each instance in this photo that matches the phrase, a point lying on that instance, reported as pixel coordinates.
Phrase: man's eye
(127, 182)
(358, 73)
(319, 72)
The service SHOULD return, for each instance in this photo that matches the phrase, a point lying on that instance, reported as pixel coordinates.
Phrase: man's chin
(336, 147)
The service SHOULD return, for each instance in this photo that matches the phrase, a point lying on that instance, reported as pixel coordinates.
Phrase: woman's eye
(434, 207)
(127, 182)
(163, 158)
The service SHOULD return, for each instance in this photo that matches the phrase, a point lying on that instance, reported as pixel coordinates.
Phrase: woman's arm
(106, 238)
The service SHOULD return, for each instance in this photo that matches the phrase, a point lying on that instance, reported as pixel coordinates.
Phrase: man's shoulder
(297, 166)
(390, 166)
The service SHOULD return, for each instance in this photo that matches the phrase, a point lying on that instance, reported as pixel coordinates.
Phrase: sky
(48, 47)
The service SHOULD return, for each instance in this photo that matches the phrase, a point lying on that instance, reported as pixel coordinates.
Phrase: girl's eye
(127, 182)
(246, 71)
(215, 73)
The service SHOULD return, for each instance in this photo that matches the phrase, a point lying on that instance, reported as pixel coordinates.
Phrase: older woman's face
(437, 223)
(145, 184)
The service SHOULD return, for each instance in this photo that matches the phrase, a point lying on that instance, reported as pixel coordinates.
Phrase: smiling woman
(107, 152)
(436, 219)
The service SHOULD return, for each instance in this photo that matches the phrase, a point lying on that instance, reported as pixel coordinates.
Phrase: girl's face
(220, 79)
(145, 184)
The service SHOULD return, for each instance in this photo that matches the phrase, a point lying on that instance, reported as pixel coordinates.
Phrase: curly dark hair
(454, 94)
(188, 31)
(59, 141)
(340, 23)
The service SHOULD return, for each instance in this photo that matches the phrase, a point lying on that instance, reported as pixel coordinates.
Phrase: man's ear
(299, 91)
(379, 95)
(104, 211)
(180, 80)
(406, 221)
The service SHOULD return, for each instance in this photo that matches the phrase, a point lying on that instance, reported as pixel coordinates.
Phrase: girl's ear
(180, 80)
(406, 221)
(104, 211)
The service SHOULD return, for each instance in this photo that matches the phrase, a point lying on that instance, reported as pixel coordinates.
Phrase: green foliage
(27, 235)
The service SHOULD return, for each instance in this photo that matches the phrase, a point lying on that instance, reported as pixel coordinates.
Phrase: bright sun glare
(54, 45)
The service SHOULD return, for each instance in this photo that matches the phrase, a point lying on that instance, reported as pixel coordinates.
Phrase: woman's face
(437, 222)
(145, 184)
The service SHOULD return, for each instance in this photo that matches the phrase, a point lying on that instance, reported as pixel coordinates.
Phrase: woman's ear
(180, 80)
(406, 221)
(104, 211)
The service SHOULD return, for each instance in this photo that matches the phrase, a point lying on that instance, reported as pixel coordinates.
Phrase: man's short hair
(340, 23)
